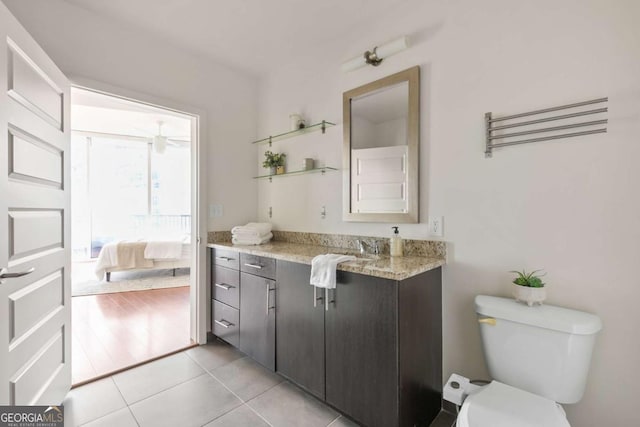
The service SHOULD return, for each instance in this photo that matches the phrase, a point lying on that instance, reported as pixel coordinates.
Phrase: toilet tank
(545, 349)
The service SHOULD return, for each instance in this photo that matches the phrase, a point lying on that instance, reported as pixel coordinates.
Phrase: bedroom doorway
(131, 196)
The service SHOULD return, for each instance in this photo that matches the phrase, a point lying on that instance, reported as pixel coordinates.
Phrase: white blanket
(260, 240)
(323, 269)
(163, 250)
(108, 257)
(252, 230)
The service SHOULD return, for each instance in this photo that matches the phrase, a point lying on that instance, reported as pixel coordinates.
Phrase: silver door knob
(4, 273)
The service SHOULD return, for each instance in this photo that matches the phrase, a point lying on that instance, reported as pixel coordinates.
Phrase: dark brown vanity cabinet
(371, 348)
(374, 352)
(257, 314)
(300, 326)
(360, 348)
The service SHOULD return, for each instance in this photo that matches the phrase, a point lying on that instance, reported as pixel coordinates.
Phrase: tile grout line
(133, 415)
(333, 422)
(164, 389)
(125, 401)
(244, 403)
(108, 413)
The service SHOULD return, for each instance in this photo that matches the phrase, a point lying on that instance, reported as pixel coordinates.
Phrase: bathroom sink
(359, 257)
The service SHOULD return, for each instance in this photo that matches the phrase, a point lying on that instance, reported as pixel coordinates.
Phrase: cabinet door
(300, 338)
(361, 349)
(257, 319)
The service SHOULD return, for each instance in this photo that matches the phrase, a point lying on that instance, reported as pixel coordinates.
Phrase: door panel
(30, 86)
(361, 349)
(33, 160)
(34, 231)
(258, 319)
(35, 348)
(46, 365)
(33, 303)
(300, 328)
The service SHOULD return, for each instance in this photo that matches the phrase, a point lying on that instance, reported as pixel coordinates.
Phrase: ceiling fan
(160, 141)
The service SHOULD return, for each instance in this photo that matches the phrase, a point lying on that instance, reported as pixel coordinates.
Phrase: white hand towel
(251, 240)
(323, 269)
(253, 229)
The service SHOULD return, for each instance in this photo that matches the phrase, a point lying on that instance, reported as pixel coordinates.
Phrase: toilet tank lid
(543, 316)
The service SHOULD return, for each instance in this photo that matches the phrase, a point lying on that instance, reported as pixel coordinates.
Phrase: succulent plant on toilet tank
(529, 287)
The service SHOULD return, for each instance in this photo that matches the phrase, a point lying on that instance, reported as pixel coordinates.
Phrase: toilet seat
(500, 405)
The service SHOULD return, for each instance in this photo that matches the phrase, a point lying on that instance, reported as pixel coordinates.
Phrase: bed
(142, 255)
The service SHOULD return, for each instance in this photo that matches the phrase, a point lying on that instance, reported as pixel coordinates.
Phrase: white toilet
(538, 358)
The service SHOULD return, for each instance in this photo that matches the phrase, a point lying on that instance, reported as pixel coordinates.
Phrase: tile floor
(213, 386)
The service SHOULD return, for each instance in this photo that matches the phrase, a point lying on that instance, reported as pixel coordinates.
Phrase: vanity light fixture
(377, 54)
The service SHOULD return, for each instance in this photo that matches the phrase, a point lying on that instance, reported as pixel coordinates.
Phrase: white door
(35, 312)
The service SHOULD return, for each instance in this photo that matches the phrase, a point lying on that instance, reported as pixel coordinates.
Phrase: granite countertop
(395, 268)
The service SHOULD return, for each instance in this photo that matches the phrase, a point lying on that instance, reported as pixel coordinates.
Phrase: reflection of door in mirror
(379, 151)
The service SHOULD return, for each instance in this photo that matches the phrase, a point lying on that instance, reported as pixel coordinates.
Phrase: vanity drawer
(225, 286)
(225, 258)
(258, 265)
(225, 324)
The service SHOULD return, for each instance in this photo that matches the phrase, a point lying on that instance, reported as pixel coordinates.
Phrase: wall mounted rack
(298, 172)
(493, 132)
(323, 125)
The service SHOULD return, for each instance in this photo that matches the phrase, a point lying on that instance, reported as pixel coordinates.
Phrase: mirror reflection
(381, 139)
(379, 150)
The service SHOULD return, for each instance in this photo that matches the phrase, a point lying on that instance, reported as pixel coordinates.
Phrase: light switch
(215, 211)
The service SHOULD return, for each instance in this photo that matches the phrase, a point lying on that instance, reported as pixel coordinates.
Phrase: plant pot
(279, 170)
(527, 295)
(272, 170)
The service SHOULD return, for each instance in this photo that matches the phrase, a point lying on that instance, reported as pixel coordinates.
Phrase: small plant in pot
(274, 161)
(529, 287)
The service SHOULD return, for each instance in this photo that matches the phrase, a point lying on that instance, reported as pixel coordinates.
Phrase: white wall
(570, 207)
(87, 46)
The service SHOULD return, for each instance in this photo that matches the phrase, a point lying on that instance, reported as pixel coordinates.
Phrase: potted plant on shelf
(275, 162)
(529, 287)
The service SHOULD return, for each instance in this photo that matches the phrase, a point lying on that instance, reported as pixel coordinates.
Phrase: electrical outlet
(436, 226)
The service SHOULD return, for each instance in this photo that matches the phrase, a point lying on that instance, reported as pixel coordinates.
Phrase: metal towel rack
(491, 127)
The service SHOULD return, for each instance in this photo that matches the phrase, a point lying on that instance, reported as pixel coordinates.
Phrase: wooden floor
(114, 331)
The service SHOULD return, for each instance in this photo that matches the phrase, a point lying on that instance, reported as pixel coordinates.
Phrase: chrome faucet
(368, 248)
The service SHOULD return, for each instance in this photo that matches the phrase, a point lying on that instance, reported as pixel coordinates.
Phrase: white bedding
(165, 249)
(108, 258)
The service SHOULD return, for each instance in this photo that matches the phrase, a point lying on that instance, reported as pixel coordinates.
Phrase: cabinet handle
(225, 324)
(316, 298)
(269, 290)
(328, 301)
(258, 266)
(224, 258)
(223, 286)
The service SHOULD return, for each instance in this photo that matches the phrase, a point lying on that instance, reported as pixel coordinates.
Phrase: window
(122, 189)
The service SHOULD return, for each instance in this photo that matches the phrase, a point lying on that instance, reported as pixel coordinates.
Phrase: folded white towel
(249, 235)
(323, 269)
(251, 240)
(253, 229)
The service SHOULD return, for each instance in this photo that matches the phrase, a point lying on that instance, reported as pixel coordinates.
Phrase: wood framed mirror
(381, 125)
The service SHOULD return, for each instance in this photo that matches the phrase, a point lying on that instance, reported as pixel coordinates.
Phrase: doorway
(132, 234)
